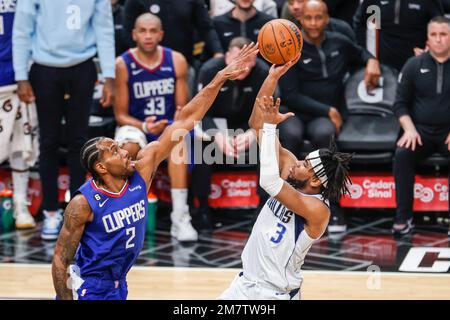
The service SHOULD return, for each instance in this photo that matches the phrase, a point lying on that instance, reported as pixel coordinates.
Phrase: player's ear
(161, 35)
(315, 182)
(133, 34)
(100, 168)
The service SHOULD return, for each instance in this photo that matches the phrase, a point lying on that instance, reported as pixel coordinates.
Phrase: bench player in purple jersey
(104, 224)
(151, 81)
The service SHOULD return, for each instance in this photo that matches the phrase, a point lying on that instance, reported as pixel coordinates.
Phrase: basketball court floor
(365, 263)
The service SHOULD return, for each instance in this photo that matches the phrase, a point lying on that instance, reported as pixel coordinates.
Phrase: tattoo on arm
(77, 214)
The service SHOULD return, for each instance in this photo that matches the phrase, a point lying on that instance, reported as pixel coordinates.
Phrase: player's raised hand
(271, 111)
(278, 70)
(241, 63)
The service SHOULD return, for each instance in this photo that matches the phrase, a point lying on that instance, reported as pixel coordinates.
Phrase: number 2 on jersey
(132, 230)
(279, 233)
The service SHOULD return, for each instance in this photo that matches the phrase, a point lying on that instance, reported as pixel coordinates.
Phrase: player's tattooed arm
(77, 214)
(154, 153)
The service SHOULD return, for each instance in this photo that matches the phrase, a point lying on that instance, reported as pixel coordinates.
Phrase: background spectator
(313, 88)
(293, 11)
(179, 19)
(19, 142)
(423, 108)
(242, 21)
(143, 114)
(61, 80)
(233, 103)
(403, 29)
(119, 35)
(219, 7)
(343, 9)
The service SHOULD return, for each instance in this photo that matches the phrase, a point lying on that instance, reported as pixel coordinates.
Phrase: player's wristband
(144, 127)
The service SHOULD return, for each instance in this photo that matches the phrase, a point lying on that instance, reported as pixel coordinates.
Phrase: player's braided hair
(89, 155)
(336, 166)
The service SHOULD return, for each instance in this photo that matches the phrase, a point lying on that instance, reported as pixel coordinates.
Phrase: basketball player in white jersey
(297, 213)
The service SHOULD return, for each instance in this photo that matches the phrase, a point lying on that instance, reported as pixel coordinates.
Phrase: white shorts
(126, 134)
(244, 289)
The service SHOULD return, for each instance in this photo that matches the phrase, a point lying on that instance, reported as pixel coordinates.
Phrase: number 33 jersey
(151, 91)
(112, 241)
(276, 248)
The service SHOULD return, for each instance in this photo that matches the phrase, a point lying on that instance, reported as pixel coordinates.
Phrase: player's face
(439, 38)
(232, 54)
(295, 8)
(301, 171)
(314, 20)
(116, 160)
(147, 35)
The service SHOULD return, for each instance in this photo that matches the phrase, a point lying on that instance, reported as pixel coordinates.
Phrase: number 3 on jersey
(281, 229)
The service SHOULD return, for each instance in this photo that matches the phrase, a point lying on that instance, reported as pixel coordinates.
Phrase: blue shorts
(97, 289)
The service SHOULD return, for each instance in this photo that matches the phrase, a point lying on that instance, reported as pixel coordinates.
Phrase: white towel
(18, 127)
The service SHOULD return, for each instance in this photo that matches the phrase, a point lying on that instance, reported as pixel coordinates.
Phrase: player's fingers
(288, 115)
(271, 104)
(277, 104)
(407, 143)
(419, 140)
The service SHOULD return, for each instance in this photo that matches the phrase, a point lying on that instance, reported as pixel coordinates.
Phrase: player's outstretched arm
(154, 153)
(256, 118)
(312, 209)
(77, 214)
(267, 90)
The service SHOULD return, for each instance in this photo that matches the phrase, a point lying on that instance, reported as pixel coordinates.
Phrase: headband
(319, 170)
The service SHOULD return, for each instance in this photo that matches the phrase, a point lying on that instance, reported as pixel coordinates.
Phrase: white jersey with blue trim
(277, 247)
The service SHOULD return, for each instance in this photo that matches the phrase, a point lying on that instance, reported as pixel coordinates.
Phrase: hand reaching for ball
(241, 63)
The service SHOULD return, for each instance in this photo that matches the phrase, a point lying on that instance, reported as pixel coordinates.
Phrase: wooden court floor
(31, 281)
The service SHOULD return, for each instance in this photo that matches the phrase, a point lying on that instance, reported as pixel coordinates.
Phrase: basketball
(280, 41)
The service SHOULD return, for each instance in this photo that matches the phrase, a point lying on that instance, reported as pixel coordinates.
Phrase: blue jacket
(63, 33)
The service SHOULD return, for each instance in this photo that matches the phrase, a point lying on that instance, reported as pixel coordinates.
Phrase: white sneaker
(23, 217)
(52, 225)
(181, 228)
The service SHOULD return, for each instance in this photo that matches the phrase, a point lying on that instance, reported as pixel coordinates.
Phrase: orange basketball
(280, 41)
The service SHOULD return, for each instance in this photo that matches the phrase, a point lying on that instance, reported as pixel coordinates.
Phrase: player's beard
(297, 184)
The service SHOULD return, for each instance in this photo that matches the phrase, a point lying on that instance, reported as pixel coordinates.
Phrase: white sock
(179, 200)
(20, 185)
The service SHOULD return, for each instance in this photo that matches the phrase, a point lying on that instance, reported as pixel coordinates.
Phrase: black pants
(405, 162)
(294, 130)
(50, 85)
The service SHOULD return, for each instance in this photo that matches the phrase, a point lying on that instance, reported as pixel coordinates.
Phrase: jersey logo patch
(136, 72)
(166, 69)
(138, 187)
(101, 204)
(424, 70)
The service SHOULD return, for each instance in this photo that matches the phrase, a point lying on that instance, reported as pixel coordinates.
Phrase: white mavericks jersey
(276, 248)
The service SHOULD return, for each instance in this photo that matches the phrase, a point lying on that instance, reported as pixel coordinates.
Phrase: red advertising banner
(233, 190)
(378, 191)
(239, 190)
